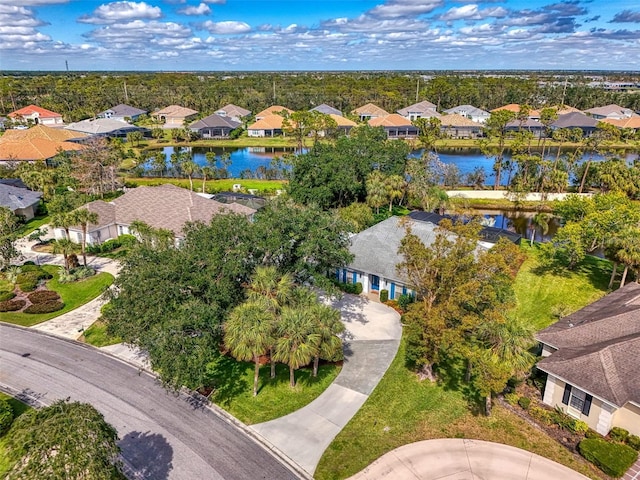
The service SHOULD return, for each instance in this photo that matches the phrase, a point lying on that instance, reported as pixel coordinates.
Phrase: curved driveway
(457, 459)
(163, 435)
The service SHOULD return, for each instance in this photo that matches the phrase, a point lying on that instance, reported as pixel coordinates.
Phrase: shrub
(45, 307)
(354, 288)
(384, 295)
(512, 398)
(28, 276)
(30, 267)
(524, 402)
(12, 305)
(29, 286)
(633, 441)
(358, 288)
(6, 416)
(76, 274)
(592, 434)
(404, 301)
(579, 427)
(612, 458)
(4, 296)
(127, 240)
(43, 296)
(541, 414)
(618, 434)
(29, 262)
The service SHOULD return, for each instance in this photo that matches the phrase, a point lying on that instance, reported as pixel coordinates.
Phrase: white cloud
(226, 28)
(202, 9)
(404, 8)
(121, 11)
(472, 12)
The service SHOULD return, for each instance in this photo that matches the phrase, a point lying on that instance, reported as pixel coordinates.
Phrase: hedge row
(4, 296)
(612, 458)
(42, 296)
(45, 307)
(12, 305)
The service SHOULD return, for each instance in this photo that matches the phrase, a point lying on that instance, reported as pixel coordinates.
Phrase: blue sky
(185, 35)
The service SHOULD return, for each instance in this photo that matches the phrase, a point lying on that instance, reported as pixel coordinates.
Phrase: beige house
(395, 126)
(592, 361)
(174, 116)
(369, 111)
(272, 110)
(36, 115)
(455, 125)
(268, 126)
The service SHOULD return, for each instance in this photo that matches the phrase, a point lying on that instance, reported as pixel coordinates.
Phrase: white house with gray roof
(326, 109)
(474, 114)
(20, 201)
(122, 112)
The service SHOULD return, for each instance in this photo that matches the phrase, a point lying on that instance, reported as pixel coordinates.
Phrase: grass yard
(33, 224)
(275, 397)
(403, 410)
(18, 409)
(73, 295)
(213, 186)
(544, 294)
(97, 336)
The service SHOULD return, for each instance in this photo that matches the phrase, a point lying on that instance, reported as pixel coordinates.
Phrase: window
(577, 399)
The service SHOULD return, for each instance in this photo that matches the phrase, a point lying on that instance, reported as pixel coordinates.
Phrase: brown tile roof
(371, 109)
(273, 109)
(512, 107)
(342, 121)
(457, 120)
(270, 122)
(166, 206)
(599, 347)
(564, 109)
(632, 122)
(31, 109)
(392, 120)
(175, 111)
(37, 143)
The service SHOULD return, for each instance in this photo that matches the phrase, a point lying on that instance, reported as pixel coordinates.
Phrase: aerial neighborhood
(353, 276)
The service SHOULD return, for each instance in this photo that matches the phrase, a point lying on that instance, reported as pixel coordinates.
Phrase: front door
(392, 291)
(375, 282)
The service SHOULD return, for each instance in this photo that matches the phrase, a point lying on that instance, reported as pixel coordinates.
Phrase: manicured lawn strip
(33, 224)
(212, 185)
(97, 336)
(275, 397)
(73, 295)
(403, 410)
(540, 293)
(498, 204)
(18, 409)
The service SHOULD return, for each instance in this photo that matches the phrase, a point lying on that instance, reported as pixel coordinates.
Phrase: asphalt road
(163, 436)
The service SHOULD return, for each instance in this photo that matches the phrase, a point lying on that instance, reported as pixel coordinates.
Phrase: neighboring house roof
(273, 109)
(37, 143)
(215, 121)
(468, 111)
(574, 120)
(270, 122)
(103, 126)
(599, 347)
(512, 107)
(14, 182)
(248, 200)
(370, 110)
(420, 107)
(232, 110)
(456, 120)
(612, 110)
(166, 206)
(343, 121)
(564, 109)
(16, 198)
(528, 123)
(31, 109)
(326, 109)
(175, 111)
(631, 122)
(392, 120)
(123, 110)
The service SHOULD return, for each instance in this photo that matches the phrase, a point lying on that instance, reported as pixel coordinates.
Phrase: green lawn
(275, 397)
(269, 186)
(18, 409)
(403, 410)
(544, 293)
(34, 223)
(97, 336)
(73, 295)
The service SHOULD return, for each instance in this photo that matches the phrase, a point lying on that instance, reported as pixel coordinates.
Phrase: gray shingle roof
(15, 198)
(574, 120)
(232, 110)
(326, 109)
(215, 121)
(420, 107)
(123, 110)
(103, 126)
(599, 347)
(468, 111)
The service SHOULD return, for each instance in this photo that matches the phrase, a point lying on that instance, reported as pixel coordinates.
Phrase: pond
(519, 222)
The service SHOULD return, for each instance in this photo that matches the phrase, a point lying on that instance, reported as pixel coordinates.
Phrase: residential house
(455, 125)
(422, 109)
(252, 201)
(272, 110)
(37, 143)
(174, 116)
(369, 111)
(4, 123)
(632, 123)
(529, 125)
(36, 115)
(20, 201)
(576, 120)
(515, 108)
(344, 125)
(166, 206)
(614, 112)
(326, 109)
(124, 113)
(592, 362)
(268, 126)
(215, 126)
(234, 112)
(107, 127)
(395, 126)
(474, 114)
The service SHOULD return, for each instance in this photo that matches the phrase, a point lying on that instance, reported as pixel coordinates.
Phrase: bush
(404, 301)
(384, 295)
(45, 307)
(6, 416)
(29, 262)
(618, 434)
(512, 398)
(30, 267)
(353, 288)
(43, 296)
(4, 296)
(524, 402)
(128, 240)
(592, 434)
(633, 441)
(28, 286)
(612, 458)
(541, 414)
(76, 274)
(12, 305)
(579, 427)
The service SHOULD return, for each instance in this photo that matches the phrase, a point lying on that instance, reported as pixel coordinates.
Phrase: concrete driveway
(371, 342)
(459, 459)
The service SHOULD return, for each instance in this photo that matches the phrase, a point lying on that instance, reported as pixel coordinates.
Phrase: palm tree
(296, 341)
(249, 335)
(207, 172)
(84, 217)
(328, 325)
(539, 221)
(629, 252)
(67, 248)
(189, 168)
(394, 184)
(63, 220)
(376, 190)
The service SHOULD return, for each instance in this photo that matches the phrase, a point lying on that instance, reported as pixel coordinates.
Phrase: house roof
(326, 109)
(270, 122)
(102, 126)
(528, 123)
(512, 107)
(31, 109)
(609, 110)
(166, 206)
(420, 107)
(343, 121)
(231, 110)
(392, 120)
(574, 120)
(175, 111)
(468, 110)
(37, 143)
(564, 109)
(456, 120)
(370, 110)
(15, 197)
(123, 110)
(272, 110)
(631, 122)
(215, 121)
(598, 347)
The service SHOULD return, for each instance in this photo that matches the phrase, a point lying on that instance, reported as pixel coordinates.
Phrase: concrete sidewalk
(371, 342)
(460, 459)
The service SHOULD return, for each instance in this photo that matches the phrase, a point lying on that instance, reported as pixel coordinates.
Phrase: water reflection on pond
(519, 222)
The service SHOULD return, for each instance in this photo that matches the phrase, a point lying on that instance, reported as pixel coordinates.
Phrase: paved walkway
(371, 342)
(458, 459)
(634, 472)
